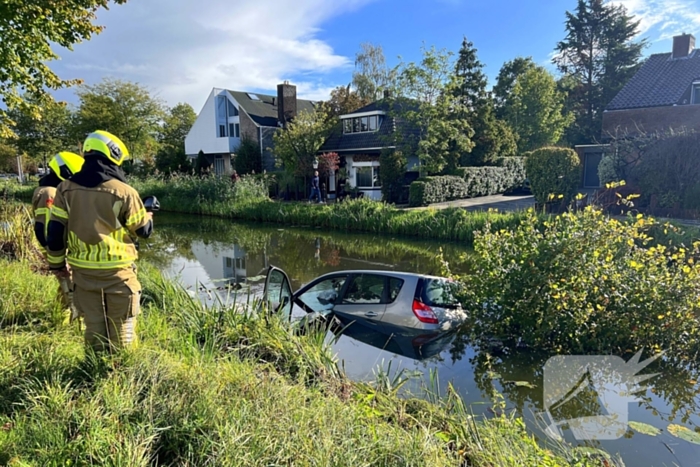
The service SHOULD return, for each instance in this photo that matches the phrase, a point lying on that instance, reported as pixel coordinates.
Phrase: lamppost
(315, 163)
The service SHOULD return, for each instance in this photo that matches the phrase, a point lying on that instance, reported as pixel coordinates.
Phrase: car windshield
(440, 293)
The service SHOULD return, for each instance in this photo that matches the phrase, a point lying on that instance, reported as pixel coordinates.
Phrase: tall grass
(222, 386)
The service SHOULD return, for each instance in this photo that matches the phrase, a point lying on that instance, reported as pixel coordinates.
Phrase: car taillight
(424, 313)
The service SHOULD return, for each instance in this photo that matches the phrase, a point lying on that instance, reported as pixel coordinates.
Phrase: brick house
(227, 116)
(663, 95)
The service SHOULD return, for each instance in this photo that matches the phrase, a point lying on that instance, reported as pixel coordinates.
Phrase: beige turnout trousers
(108, 301)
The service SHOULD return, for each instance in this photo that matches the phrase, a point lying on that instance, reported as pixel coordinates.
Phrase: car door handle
(371, 314)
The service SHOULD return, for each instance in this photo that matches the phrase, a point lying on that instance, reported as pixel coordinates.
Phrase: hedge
(468, 182)
(554, 172)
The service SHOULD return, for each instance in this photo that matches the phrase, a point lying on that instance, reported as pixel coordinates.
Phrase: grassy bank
(215, 197)
(207, 387)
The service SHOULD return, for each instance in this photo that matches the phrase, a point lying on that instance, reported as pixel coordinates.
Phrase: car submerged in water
(404, 300)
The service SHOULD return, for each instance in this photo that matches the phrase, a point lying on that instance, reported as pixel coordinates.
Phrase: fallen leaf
(644, 428)
(684, 433)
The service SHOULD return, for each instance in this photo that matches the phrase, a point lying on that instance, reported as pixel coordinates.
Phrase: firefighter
(62, 166)
(94, 219)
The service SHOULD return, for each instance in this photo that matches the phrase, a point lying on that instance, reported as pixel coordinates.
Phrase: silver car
(401, 299)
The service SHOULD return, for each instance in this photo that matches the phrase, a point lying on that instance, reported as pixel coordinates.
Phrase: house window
(361, 124)
(695, 98)
(373, 123)
(222, 131)
(238, 130)
(234, 130)
(367, 177)
(232, 110)
(219, 165)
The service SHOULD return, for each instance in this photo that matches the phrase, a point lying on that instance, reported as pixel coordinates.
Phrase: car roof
(399, 274)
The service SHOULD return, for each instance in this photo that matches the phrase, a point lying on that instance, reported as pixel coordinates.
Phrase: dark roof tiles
(263, 110)
(661, 81)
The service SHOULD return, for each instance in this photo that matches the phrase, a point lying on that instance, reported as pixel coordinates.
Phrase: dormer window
(361, 124)
(695, 94)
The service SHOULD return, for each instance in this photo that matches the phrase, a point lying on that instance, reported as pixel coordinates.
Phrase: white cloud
(671, 17)
(182, 48)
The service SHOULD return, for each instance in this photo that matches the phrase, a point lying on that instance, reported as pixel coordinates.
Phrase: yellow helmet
(106, 144)
(65, 164)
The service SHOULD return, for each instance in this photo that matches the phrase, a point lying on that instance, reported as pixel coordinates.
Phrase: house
(663, 95)
(359, 139)
(228, 116)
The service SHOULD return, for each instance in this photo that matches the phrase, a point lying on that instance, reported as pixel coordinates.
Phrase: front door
(364, 297)
(590, 165)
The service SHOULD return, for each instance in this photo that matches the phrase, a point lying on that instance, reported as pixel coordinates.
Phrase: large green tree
(125, 109)
(505, 82)
(535, 110)
(171, 138)
(42, 136)
(436, 126)
(298, 143)
(492, 138)
(600, 54)
(29, 29)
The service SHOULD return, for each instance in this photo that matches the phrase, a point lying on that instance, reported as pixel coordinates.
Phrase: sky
(181, 49)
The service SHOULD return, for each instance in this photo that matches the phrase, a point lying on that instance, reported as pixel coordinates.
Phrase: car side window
(365, 289)
(323, 295)
(394, 288)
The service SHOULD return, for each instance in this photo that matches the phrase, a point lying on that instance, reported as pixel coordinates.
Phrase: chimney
(286, 102)
(683, 45)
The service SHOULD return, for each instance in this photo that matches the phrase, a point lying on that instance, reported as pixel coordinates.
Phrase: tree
(171, 154)
(328, 163)
(343, 101)
(393, 169)
(298, 143)
(8, 157)
(505, 82)
(28, 31)
(600, 54)
(372, 76)
(492, 138)
(248, 158)
(41, 138)
(436, 128)
(535, 110)
(125, 109)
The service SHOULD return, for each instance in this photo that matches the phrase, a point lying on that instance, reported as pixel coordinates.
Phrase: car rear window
(439, 293)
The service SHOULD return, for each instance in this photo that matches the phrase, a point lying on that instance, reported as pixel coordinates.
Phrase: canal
(218, 260)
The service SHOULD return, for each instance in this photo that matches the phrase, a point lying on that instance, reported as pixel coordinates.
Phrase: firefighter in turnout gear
(62, 166)
(94, 219)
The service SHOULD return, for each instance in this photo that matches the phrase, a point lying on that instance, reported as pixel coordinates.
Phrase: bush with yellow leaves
(585, 283)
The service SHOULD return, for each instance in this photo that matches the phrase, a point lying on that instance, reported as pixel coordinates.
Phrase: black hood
(50, 179)
(96, 170)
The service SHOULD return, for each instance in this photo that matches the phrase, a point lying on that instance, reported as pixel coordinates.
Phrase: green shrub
(393, 165)
(553, 171)
(416, 193)
(583, 282)
(248, 158)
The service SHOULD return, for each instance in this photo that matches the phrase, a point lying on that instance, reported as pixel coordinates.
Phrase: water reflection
(229, 258)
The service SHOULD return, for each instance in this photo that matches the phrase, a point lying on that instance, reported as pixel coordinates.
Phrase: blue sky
(180, 49)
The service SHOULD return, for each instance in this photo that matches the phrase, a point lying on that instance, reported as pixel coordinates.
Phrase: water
(222, 258)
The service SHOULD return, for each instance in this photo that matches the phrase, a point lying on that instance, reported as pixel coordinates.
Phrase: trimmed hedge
(554, 172)
(468, 182)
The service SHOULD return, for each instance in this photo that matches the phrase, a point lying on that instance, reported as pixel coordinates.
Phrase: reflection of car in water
(412, 343)
(400, 299)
